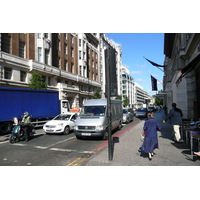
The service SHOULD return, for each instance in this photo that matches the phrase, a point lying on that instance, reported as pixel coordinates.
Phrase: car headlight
(124, 117)
(75, 127)
(60, 125)
(99, 128)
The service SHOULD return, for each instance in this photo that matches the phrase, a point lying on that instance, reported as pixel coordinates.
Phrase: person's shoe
(150, 158)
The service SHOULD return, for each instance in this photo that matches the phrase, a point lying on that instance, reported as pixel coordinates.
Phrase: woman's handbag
(142, 136)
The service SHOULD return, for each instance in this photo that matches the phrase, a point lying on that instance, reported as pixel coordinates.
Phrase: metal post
(108, 91)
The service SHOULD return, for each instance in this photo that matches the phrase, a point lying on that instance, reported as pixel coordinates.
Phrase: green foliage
(97, 93)
(119, 97)
(126, 101)
(36, 82)
(158, 101)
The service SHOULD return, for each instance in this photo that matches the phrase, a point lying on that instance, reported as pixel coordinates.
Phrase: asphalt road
(50, 150)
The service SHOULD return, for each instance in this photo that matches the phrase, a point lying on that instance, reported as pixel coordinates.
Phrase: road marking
(71, 138)
(58, 149)
(40, 147)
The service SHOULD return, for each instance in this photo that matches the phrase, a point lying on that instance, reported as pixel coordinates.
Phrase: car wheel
(66, 131)
(127, 121)
(119, 126)
(105, 137)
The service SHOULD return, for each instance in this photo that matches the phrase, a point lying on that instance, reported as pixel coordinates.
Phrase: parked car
(151, 109)
(128, 115)
(62, 123)
(141, 112)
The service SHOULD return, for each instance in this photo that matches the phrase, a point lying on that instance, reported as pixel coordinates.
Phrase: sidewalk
(127, 150)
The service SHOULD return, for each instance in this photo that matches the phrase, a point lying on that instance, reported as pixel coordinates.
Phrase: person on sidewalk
(175, 116)
(151, 126)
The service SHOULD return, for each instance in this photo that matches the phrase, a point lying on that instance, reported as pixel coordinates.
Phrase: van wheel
(105, 137)
(78, 137)
(66, 131)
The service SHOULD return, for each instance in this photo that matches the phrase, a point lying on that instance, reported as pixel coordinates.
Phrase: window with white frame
(22, 76)
(46, 56)
(7, 73)
(39, 54)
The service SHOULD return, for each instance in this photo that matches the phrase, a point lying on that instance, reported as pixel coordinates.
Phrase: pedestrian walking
(151, 126)
(175, 116)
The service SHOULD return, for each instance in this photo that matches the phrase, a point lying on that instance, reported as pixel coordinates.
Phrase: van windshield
(93, 111)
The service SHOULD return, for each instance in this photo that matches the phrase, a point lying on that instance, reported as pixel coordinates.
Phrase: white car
(62, 123)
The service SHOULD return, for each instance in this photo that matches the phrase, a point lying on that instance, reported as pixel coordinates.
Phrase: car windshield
(141, 109)
(125, 111)
(62, 117)
(93, 111)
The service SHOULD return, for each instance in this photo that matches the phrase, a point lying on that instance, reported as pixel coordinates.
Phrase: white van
(93, 122)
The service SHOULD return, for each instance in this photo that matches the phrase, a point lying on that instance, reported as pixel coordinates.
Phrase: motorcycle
(18, 131)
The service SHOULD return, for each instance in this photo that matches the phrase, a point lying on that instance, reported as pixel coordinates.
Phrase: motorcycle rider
(26, 123)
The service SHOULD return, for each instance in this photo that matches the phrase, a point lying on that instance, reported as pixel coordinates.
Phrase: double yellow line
(86, 156)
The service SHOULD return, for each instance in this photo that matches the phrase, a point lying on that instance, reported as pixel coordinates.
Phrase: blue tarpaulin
(38, 103)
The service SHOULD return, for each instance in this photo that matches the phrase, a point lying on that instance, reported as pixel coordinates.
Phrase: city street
(51, 149)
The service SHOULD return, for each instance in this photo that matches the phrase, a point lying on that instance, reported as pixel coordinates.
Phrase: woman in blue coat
(151, 126)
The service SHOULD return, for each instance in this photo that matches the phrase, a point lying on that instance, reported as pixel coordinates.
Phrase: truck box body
(38, 103)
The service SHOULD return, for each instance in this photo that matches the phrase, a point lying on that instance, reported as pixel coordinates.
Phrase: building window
(72, 39)
(65, 65)
(72, 52)
(49, 81)
(65, 49)
(79, 55)
(21, 49)
(44, 79)
(39, 35)
(80, 70)
(22, 76)
(7, 73)
(39, 54)
(72, 67)
(79, 42)
(46, 35)
(65, 34)
(5, 44)
(46, 57)
(58, 45)
(58, 62)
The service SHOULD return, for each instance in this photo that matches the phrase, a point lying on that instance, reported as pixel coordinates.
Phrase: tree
(97, 93)
(36, 82)
(158, 101)
(119, 97)
(126, 101)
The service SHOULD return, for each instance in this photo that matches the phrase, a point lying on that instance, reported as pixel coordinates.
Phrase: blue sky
(136, 46)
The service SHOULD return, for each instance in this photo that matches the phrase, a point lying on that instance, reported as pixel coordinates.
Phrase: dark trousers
(26, 132)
